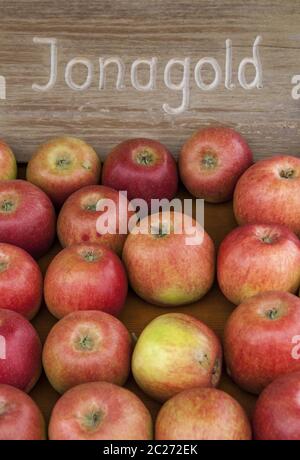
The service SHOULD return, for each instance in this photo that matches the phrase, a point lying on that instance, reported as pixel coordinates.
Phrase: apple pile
(177, 359)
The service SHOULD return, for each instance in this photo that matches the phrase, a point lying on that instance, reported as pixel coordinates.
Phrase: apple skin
(87, 346)
(21, 281)
(202, 414)
(277, 412)
(85, 277)
(62, 166)
(162, 268)
(20, 417)
(211, 162)
(8, 164)
(78, 218)
(142, 167)
(258, 258)
(22, 366)
(258, 339)
(100, 411)
(176, 352)
(27, 217)
(264, 195)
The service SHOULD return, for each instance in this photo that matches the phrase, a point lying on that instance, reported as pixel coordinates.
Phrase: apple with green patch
(175, 352)
(100, 411)
(8, 164)
(62, 166)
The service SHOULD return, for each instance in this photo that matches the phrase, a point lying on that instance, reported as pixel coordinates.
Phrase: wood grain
(269, 118)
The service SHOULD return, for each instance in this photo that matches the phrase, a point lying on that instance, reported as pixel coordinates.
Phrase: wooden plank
(140, 29)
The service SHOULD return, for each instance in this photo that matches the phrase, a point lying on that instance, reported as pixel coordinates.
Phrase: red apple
(100, 411)
(269, 192)
(259, 339)
(8, 165)
(163, 268)
(27, 217)
(20, 351)
(211, 162)
(257, 258)
(277, 411)
(20, 417)
(87, 346)
(175, 352)
(85, 277)
(142, 167)
(62, 166)
(21, 281)
(77, 221)
(202, 414)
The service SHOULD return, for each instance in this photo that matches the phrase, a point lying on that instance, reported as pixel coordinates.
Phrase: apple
(100, 411)
(259, 339)
(8, 164)
(277, 411)
(211, 162)
(202, 414)
(20, 351)
(62, 166)
(163, 268)
(87, 346)
(142, 167)
(77, 220)
(269, 192)
(85, 277)
(20, 417)
(257, 258)
(21, 281)
(176, 352)
(27, 217)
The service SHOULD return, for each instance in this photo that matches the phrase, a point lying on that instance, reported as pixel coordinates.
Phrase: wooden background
(269, 118)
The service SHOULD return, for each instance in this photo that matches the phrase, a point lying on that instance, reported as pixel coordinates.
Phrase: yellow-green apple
(259, 339)
(62, 166)
(144, 168)
(100, 411)
(20, 417)
(85, 277)
(257, 258)
(269, 192)
(20, 351)
(202, 414)
(77, 220)
(21, 281)
(277, 411)
(211, 162)
(87, 346)
(176, 352)
(27, 217)
(163, 268)
(8, 164)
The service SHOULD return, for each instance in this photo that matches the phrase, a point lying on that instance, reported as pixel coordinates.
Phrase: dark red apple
(77, 221)
(259, 339)
(142, 167)
(211, 162)
(62, 166)
(20, 417)
(100, 411)
(85, 277)
(277, 411)
(20, 351)
(21, 281)
(269, 192)
(87, 346)
(257, 258)
(202, 414)
(27, 217)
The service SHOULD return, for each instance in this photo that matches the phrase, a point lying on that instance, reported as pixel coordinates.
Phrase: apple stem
(287, 173)
(63, 163)
(272, 313)
(209, 161)
(6, 206)
(91, 207)
(92, 420)
(144, 158)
